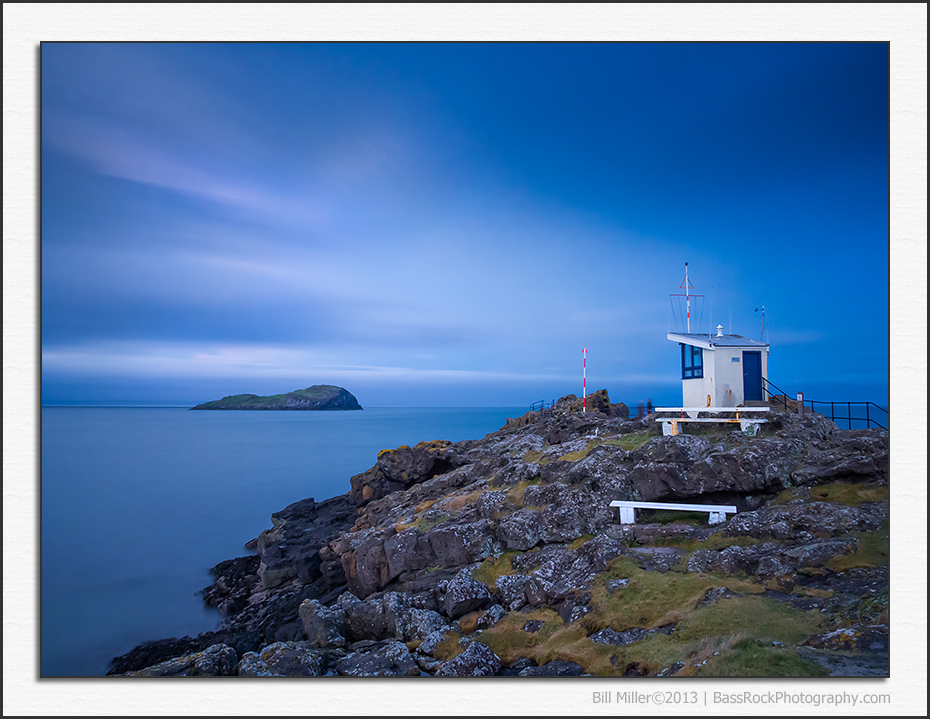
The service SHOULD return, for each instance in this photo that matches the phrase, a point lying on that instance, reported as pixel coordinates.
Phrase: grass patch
(448, 648)
(714, 541)
(731, 637)
(425, 504)
(749, 658)
(851, 494)
(510, 641)
(493, 567)
(872, 551)
(458, 502)
(651, 598)
(574, 544)
(536, 457)
(516, 492)
(629, 442)
(424, 524)
(755, 617)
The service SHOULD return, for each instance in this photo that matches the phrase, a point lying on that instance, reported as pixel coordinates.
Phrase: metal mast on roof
(762, 335)
(687, 287)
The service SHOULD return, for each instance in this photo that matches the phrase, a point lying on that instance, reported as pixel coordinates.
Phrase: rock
(521, 529)
(465, 594)
(555, 668)
(431, 641)
(769, 560)
(281, 659)
(511, 591)
(399, 468)
(323, 626)
(234, 581)
(407, 551)
(382, 659)
(853, 638)
(656, 559)
(351, 579)
(493, 503)
(491, 616)
(714, 595)
(517, 666)
(457, 544)
(628, 636)
(613, 585)
(218, 660)
(476, 661)
(789, 521)
(276, 568)
(565, 572)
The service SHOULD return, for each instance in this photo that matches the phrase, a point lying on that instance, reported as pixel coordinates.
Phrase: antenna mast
(687, 287)
(762, 334)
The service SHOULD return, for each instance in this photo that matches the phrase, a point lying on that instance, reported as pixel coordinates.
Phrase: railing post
(800, 401)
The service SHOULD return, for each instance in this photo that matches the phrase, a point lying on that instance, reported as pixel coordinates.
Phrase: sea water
(138, 503)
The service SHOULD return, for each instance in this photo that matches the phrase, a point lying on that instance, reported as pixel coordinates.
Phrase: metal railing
(641, 410)
(867, 412)
(542, 406)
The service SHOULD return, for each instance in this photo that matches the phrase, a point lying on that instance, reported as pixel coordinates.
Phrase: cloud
(158, 361)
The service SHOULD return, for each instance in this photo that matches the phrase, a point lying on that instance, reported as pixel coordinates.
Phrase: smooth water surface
(138, 503)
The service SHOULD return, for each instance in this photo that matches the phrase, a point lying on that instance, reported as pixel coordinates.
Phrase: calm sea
(138, 503)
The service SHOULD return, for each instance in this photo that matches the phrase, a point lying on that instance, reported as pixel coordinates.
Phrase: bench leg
(670, 428)
(627, 515)
(717, 517)
(749, 428)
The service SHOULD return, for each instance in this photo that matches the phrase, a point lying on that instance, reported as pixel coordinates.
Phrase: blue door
(752, 376)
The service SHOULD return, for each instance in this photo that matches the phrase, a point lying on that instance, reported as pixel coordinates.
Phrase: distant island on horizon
(319, 397)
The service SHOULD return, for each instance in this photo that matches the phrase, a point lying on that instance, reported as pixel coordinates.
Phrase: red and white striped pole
(584, 380)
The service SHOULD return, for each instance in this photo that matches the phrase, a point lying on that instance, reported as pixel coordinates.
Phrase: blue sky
(451, 223)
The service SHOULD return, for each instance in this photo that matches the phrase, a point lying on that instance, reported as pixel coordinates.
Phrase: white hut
(722, 370)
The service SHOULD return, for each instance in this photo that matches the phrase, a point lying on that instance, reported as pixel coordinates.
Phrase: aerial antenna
(687, 287)
(762, 335)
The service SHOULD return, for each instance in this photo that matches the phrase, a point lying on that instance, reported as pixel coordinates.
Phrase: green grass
(493, 567)
(749, 658)
(629, 442)
(516, 492)
(852, 494)
(872, 551)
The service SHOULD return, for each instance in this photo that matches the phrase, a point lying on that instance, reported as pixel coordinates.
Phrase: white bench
(747, 424)
(717, 512)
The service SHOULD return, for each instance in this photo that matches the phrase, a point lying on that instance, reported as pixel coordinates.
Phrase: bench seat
(717, 513)
(749, 425)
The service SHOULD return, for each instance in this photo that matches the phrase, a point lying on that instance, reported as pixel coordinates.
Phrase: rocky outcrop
(281, 659)
(440, 549)
(217, 660)
(399, 468)
(318, 397)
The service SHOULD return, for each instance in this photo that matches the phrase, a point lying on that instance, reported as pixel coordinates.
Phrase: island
(316, 398)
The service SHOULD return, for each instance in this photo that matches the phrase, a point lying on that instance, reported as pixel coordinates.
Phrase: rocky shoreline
(502, 557)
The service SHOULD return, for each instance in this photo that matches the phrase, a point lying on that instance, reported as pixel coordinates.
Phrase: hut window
(692, 362)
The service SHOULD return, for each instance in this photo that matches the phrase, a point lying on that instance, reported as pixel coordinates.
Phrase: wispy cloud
(154, 361)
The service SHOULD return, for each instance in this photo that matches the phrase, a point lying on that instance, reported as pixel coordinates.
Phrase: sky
(450, 224)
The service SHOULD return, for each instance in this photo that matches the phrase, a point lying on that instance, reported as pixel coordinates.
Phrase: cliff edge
(502, 556)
